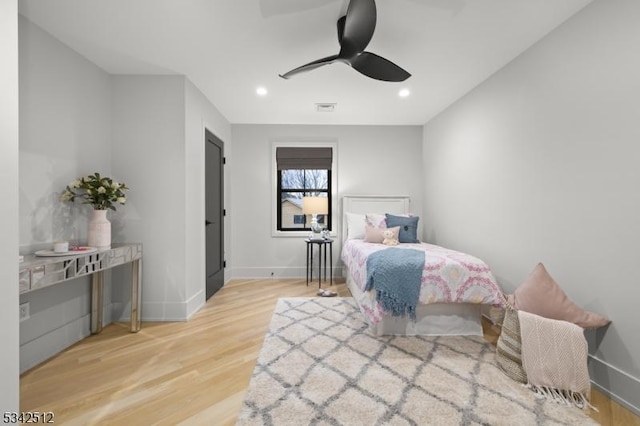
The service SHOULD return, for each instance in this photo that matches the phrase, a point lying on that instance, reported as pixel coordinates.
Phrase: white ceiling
(229, 47)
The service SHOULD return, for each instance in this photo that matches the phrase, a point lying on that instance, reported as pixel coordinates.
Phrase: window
(302, 172)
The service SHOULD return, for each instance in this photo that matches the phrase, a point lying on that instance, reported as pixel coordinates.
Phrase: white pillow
(355, 226)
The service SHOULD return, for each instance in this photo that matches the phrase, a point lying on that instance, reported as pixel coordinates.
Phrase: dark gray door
(214, 212)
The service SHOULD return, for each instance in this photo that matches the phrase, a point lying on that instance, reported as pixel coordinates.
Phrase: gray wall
(540, 164)
(373, 160)
(9, 356)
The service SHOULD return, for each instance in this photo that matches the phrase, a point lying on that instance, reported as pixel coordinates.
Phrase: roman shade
(318, 158)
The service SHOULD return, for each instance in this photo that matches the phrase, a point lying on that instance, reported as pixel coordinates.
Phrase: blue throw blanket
(396, 275)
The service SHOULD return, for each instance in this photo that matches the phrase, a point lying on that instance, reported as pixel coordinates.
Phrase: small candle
(61, 246)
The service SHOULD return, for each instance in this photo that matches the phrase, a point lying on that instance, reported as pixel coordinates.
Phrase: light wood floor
(188, 373)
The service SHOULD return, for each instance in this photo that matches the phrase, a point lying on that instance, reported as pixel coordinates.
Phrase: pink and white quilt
(448, 276)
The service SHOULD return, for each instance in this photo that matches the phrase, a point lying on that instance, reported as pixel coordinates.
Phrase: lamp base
(316, 229)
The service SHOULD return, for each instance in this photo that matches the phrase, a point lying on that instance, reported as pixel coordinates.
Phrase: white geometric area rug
(319, 365)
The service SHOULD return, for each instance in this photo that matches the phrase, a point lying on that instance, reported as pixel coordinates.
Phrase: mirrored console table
(39, 272)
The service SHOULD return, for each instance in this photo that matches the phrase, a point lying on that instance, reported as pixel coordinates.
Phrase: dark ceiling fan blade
(355, 30)
(310, 66)
(341, 28)
(359, 24)
(379, 68)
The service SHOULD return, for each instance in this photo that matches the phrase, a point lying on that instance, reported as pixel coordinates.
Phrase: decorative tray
(73, 252)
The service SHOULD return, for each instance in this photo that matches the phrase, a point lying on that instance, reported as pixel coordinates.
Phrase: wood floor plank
(187, 373)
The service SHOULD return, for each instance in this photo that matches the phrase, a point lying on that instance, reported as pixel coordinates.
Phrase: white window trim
(274, 185)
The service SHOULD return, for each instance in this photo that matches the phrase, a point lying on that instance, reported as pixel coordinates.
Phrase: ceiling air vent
(325, 107)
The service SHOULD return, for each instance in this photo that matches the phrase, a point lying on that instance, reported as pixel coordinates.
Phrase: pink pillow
(539, 294)
(374, 235)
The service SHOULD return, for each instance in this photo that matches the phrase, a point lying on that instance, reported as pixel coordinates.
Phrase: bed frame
(434, 319)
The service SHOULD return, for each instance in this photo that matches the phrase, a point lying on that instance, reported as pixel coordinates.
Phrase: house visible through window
(302, 172)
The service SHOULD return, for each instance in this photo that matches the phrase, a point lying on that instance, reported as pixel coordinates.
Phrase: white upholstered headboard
(362, 204)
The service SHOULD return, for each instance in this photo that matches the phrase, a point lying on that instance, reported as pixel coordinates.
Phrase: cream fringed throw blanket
(554, 356)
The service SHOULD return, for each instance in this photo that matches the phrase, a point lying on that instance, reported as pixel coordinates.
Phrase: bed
(453, 286)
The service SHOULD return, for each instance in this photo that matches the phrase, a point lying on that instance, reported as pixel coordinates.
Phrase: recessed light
(261, 91)
(403, 93)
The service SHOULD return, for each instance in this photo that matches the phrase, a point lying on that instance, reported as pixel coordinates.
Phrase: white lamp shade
(315, 205)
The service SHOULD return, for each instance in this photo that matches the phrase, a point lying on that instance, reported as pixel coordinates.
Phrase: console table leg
(136, 293)
(97, 286)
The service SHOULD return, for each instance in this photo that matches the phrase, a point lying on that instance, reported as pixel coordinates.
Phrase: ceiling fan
(355, 30)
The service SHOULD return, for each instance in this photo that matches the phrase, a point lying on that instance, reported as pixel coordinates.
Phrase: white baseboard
(615, 383)
(195, 303)
(249, 272)
(278, 272)
(44, 347)
(151, 311)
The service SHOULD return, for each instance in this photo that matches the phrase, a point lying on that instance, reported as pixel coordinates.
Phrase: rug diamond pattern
(320, 365)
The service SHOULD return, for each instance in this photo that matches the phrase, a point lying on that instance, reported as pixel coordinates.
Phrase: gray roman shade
(304, 158)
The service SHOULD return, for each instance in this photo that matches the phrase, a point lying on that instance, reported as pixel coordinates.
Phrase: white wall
(9, 356)
(65, 119)
(372, 160)
(158, 149)
(149, 155)
(76, 119)
(540, 163)
(65, 132)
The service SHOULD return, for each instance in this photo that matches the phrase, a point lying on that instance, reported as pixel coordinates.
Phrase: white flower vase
(99, 235)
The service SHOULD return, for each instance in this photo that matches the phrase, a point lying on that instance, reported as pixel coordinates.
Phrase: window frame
(276, 193)
(305, 190)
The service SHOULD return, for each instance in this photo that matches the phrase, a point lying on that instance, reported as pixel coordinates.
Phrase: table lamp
(315, 206)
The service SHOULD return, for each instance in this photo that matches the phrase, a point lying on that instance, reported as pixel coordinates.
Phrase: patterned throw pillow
(377, 220)
(509, 347)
